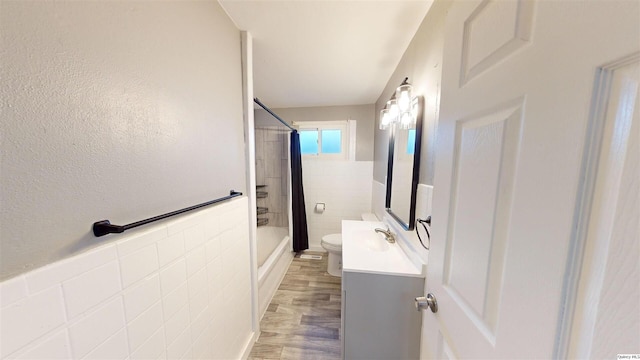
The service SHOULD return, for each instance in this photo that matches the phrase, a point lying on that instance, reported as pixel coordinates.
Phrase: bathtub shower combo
(273, 209)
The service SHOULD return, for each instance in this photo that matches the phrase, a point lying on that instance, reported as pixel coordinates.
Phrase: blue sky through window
(331, 141)
(411, 141)
(309, 142)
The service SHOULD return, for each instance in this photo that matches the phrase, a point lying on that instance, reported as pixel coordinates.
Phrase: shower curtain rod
(257, 101)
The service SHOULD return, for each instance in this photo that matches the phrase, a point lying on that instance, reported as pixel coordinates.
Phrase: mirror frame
(419, 102)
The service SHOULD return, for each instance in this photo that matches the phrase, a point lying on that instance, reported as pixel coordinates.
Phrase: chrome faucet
(388, 235)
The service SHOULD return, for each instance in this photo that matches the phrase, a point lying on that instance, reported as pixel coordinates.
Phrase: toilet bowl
(333, 244)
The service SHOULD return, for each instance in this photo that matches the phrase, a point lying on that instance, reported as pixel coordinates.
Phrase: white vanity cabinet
(379, 318)
(379, 284)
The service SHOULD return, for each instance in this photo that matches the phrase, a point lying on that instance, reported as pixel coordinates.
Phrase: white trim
(250, 164)
(316, 248)
(575, 332)
(249, 345)
(351, 124)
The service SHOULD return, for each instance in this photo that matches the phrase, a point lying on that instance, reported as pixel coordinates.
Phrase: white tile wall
(152, 349)
(13, 290)
(115, 348)
(145, 325)
(378, 199)
(55, 346)
(173, 276)
(202, 347)
(344, 186)
(56, 273)
(170, 291)
(424, 197)
(78, 300)
(134, 267)
(173, 301)
(98, 326)
(33, 316)
(196, 260)
(178, 349)
(140, 297)
(170, 248)
(177, 324)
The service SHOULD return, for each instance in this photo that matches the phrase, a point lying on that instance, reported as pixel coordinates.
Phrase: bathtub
(274, 256)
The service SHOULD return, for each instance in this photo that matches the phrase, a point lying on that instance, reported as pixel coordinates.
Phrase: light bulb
(392, 105)
(406, 120)
(384, 119)
(404, 97)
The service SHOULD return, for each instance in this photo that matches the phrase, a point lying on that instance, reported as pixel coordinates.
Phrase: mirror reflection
(403, 169)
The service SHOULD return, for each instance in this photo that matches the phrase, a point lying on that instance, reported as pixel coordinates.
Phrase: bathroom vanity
(379, 284)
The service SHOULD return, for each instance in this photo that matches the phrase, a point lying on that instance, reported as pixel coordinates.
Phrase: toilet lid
(333, 239)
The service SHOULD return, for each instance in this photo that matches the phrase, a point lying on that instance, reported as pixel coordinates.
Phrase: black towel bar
(104, 227)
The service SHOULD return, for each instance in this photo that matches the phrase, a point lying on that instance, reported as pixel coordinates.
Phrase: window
(411, 142)
(308, 142)
(327, 139)
(331, 141)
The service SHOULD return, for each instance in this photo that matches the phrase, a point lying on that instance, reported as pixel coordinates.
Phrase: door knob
(429, 302)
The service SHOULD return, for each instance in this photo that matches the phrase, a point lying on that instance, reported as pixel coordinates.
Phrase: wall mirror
(403, 164)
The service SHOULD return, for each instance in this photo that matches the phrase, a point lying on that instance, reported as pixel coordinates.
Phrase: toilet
(333, 244)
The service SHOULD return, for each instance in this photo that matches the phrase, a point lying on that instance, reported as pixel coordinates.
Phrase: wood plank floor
(303, 318)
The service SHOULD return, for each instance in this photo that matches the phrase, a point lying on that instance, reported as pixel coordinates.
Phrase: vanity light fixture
(407, 120)
(385, 118)
(404, 95)
(398, 109)
(392, 105)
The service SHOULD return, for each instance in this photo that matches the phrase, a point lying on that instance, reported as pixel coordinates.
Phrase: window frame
(345, 138)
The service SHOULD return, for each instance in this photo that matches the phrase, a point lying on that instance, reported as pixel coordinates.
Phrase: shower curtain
(300, 234)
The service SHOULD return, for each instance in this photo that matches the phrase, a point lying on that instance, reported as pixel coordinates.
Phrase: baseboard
(249, 345)
(316, 248)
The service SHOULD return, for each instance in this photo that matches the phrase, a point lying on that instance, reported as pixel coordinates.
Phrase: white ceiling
(324, 53)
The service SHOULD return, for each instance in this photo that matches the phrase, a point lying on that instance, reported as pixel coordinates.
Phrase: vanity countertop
(366, 251)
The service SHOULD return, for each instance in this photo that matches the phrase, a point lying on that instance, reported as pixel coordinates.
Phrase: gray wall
(112, 110)
(422, 63)
(364, 114)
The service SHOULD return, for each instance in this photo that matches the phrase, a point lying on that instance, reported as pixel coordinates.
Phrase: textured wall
(422, 63)
(112, 110)
(364, 115)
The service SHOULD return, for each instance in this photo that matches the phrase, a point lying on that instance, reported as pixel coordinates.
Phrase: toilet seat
(332, 242)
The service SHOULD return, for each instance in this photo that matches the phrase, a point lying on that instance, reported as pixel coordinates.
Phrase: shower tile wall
(272, 165)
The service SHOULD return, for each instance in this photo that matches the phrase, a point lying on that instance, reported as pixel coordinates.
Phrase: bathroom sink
(371, 264)
(377, 242)
(366, 251)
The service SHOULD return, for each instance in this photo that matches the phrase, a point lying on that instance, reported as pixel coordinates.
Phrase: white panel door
(517, 88)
